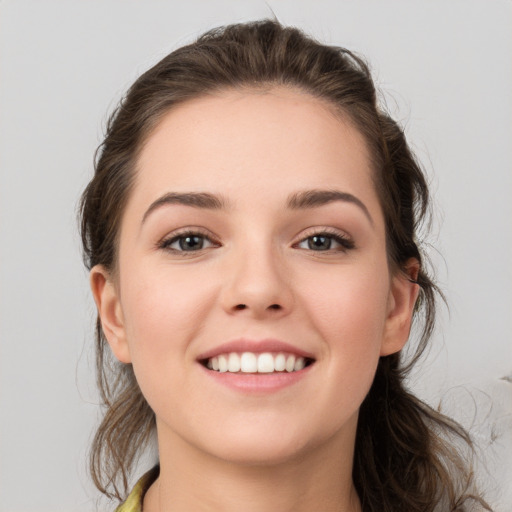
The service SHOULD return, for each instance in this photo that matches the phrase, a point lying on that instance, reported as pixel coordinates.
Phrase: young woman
(251, 232)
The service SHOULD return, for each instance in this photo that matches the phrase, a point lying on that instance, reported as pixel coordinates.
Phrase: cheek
(350, 312)
(163, 312)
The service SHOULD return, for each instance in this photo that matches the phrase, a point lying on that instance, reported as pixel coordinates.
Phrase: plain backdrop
(445, 72)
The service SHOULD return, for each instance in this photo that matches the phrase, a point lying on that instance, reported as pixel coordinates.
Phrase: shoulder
(133, 502)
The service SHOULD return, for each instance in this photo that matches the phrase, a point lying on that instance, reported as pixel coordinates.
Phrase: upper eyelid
(192, 230)
(170, 238)
(303, 235)
(321, 230)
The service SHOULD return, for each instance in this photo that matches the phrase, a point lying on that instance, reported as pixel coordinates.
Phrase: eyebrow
(297, 201)
(194, 199)
(314, 198)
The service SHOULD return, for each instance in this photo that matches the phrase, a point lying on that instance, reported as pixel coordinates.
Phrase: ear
(109, 310)
(402, 299)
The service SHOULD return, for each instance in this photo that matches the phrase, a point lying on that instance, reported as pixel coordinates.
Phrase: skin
(290, 449)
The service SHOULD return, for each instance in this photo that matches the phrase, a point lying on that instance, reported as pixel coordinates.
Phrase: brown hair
(406, 455)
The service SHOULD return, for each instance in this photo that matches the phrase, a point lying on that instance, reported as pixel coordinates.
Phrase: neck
(312, 480)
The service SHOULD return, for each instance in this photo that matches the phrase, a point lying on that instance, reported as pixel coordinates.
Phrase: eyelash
(345, 242)
(166, 243)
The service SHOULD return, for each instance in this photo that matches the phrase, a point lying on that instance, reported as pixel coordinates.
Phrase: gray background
(445, 71)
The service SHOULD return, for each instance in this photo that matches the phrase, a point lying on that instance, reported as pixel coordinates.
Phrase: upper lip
(255, 346)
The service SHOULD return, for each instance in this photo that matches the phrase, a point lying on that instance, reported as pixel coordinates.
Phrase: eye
(326, 242)
(187, 242)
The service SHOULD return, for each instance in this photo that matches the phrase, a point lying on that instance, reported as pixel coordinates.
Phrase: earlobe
(402, 300)
(109, 310)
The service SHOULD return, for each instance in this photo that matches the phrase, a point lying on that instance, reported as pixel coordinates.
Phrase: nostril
(274, 306)
(240, 307)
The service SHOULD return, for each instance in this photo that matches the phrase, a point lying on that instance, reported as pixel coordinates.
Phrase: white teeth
(290, 363)
(299, 364)
(280, 363)
(265, 363)
(233, 362)
(249, 362)
(223, 364)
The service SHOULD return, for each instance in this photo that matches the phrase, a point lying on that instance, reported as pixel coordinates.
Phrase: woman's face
(254, 237)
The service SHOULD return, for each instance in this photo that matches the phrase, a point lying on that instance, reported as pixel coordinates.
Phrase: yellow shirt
(134, 501)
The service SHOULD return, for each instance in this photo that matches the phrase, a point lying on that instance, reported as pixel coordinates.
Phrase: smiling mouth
(251, 362)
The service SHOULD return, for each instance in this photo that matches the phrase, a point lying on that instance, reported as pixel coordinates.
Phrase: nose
(257, 284)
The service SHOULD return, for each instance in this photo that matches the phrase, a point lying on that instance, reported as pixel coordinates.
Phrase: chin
(264, 445)
(261, 453)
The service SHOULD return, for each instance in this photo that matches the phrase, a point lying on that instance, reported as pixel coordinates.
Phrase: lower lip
(254, 383)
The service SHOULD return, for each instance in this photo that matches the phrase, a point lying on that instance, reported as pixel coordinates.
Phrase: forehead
(254, 141)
